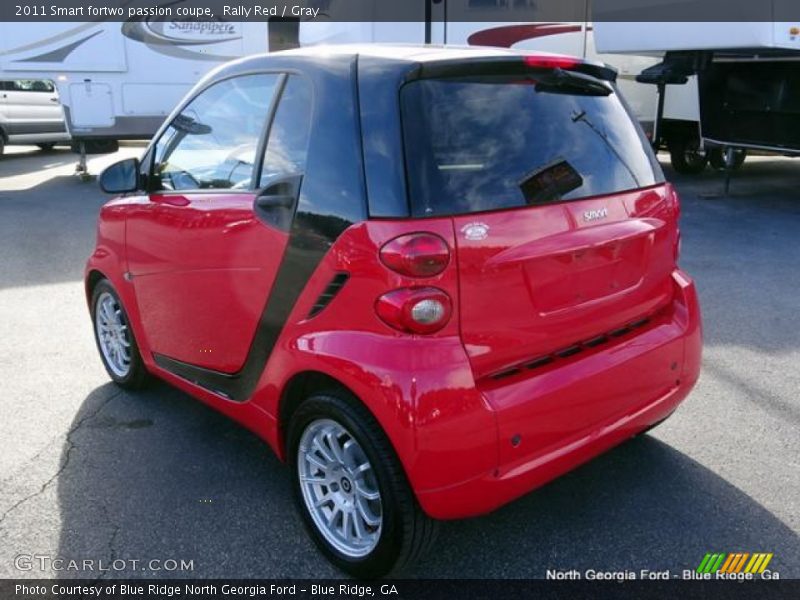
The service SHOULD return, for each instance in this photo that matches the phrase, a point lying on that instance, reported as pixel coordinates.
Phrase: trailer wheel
(716, 157)
(686, 156)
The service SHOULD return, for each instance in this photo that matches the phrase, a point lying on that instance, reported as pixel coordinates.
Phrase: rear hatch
(565, 229)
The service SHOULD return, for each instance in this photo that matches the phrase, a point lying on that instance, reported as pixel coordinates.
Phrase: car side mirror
(121, 177)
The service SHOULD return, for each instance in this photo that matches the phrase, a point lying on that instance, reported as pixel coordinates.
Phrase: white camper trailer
(119, 81)
(747, 74)
(575, 38)
(572, 38)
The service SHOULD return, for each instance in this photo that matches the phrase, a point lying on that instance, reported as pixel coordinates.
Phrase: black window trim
(263, 141)
(150, 153)
(263, 147)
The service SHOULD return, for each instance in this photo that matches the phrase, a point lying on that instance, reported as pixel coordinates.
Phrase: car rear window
(489, 143)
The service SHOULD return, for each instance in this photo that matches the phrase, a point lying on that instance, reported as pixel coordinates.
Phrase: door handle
(53, 99)
(274, 204)
(170, 200)
(268, 201)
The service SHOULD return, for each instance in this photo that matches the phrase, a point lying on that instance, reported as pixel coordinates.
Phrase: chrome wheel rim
(340, 488)
(113, 335)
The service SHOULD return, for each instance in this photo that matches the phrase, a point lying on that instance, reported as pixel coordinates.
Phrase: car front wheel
(351, 490)
(115, 340)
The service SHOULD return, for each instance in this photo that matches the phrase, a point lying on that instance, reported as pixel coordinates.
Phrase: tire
(400, 531)
(2, 144)
(126, 369)
(46, 147)
(686, 157)
(716, 157)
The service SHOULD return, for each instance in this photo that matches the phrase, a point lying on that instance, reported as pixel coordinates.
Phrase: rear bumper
(551, 423)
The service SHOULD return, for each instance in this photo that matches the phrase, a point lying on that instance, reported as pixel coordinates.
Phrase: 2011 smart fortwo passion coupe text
(432, 279)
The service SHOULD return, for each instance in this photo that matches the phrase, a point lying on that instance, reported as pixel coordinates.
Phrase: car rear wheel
(115, 340)
(687, 157)
(351, 490)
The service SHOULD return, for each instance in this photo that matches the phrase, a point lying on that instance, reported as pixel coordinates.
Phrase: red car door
(205, 246)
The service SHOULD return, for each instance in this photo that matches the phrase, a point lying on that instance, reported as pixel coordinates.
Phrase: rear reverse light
(416, 255)
(415, 310)
(551, 62)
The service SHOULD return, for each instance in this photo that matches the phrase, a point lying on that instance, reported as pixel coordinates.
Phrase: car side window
(287, 147)
(30, 85)
(213, 142)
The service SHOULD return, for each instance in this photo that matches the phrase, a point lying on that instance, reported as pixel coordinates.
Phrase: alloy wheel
(113, 334)
(339, 488)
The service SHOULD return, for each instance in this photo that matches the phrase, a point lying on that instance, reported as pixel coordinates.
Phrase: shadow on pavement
(156, 475)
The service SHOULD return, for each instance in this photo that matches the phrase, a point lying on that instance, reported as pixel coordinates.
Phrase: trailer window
(212, 143)
(490, 143)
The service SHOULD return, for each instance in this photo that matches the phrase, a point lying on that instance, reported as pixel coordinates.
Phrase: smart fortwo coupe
(431, 279)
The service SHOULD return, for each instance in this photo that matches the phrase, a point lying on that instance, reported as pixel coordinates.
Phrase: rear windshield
(490, 143)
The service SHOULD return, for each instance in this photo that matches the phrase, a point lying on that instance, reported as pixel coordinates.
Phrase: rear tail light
(676, 209)
(676, 201)
(416, 255)
(415, 310)
(551, 62)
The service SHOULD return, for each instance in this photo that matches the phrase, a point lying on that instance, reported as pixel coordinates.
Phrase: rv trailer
(118, 81)
(469, 22)
(747, 75)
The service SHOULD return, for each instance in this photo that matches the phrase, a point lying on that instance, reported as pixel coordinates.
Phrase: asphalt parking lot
(89, 472)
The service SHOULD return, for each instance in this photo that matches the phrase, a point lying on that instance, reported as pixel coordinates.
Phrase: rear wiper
(572, 81)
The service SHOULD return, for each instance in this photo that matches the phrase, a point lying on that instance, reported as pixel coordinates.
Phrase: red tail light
(551, 62)
(415, 310)
(676, 200)
(416, 255)
(676, 207)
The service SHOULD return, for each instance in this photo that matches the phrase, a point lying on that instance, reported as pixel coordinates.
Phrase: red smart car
(431, 279)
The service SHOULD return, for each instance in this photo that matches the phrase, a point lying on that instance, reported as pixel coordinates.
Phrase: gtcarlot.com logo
(44, 562)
